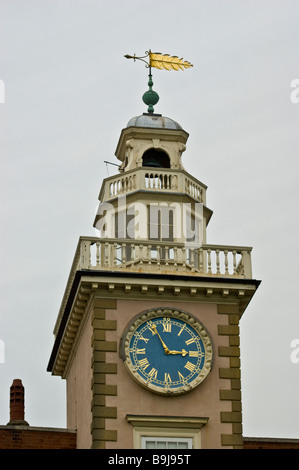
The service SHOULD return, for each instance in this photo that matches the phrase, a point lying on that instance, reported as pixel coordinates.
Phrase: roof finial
(150, 97)
(159, 61)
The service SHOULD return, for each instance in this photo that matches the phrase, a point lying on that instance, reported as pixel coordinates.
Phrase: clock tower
(147, 336)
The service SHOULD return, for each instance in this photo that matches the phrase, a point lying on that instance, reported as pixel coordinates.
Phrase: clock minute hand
(166, 350)
(183, 352)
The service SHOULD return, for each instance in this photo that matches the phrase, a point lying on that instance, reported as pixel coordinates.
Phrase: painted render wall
(204, 401)
(79, 394)
(131, 398)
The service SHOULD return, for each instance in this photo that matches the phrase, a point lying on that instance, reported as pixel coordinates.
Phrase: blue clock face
(167, 354)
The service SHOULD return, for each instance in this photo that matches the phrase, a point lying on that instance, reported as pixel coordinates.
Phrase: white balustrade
(194, 189)
(154, 179)
(143, 255)
(122, 185)
(167, 181)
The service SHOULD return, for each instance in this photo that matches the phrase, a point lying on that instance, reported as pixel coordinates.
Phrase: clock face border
(176, 314)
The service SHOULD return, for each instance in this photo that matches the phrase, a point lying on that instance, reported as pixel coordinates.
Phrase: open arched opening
(155, 158)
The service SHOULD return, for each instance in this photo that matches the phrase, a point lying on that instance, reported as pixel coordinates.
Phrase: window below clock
(166, 432)
(166, 442)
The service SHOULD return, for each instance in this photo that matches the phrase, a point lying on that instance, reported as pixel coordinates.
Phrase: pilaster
(100, 389)
(233, 373)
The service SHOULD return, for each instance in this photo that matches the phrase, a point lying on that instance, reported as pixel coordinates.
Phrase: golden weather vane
(161, 62)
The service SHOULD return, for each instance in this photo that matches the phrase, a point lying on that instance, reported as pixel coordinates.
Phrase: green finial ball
(150, 97)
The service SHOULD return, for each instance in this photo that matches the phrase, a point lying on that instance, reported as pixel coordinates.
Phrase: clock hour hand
(166, 350)
(182, 352)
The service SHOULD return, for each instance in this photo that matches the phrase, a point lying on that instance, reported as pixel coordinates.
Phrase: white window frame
(167, 441)
(166, 428)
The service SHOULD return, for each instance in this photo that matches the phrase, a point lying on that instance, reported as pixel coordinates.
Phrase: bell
(156, 159)
(153, 163)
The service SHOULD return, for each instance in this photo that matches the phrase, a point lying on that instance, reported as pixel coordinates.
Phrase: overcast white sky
(68, 93)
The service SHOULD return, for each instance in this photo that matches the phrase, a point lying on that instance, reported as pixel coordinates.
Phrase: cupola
(151, 140)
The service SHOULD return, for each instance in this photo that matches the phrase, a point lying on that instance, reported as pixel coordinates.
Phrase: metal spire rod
(150, 97)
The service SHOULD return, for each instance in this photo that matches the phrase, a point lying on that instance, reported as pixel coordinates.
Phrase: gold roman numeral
(166, 325)
(189, 366)
(140, 337)
(189, 341)
(179, 333)
(193, 353)
(167, 377)
(152, 327)
(143, 363)
(140, 351)
(182, 378)
(153, 373)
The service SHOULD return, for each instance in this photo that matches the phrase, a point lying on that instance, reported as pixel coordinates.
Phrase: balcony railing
(110, 254)
(166, 257)
(153, 179)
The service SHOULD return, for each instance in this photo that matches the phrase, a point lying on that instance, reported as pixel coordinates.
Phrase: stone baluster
(234, 262)
(158, 255)
(106, 254)
(149, 254)
(226, 262)
(209, 261)
(217, 262)
(166, 255)
(123, 253)
(200, 260)
(98, 245)
(175, 256)
(114, 257)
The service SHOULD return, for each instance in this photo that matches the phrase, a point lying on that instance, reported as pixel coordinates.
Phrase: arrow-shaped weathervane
(161, 62)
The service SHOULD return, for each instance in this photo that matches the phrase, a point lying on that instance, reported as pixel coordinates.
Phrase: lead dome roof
(156, 121)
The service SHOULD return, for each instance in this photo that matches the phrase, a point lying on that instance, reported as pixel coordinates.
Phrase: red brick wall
(17, 437)
(38, 438)
(261, 443)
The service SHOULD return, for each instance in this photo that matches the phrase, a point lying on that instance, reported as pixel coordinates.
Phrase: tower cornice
(88, 284)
